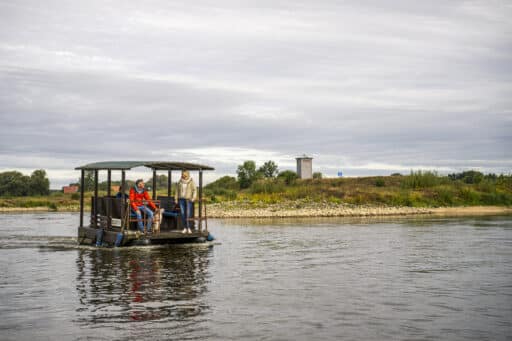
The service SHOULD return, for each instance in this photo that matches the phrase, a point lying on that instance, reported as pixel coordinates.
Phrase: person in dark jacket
(121, 193)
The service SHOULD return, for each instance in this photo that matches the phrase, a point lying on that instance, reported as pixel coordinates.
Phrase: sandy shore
(38, 209)
(238, 210)
(472, 210)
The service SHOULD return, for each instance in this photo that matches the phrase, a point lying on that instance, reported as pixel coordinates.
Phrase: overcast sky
(365, 87)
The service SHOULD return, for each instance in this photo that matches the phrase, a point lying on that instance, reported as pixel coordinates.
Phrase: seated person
(137, 195)
(121, 193)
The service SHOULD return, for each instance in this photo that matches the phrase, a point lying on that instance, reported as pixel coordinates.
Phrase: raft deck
(88, 235)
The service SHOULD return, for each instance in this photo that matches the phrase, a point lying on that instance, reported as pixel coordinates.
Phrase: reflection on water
(140, 284)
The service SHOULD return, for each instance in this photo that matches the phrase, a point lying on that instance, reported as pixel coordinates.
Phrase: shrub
(226, 182)
(230, 195)
(486, 186)
(469, 196)
(445, 196)
(420, 179)
(469, 177)
(497, 198)
(505, 182)
(379, 182)
(298, 192)
(334, 200)
(266, 186)
(288, 176)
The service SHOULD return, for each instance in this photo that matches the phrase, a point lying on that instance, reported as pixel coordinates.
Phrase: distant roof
(157, 165)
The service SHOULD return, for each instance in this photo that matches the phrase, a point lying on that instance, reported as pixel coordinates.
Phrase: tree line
(14, 183)
(247, 174)
(263, 179)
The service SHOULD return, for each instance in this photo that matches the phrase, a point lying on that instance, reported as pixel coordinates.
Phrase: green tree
(269, 169)
(472, 177)
(246, 174)
(288, 176)
(469, 177)
(317, 175)
(39, 183)
(14, 183)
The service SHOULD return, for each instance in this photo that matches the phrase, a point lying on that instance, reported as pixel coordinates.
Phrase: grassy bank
(420, 189)
(52, 202)
(417, 190)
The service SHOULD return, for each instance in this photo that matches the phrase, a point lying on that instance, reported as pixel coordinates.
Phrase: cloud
(367, 86)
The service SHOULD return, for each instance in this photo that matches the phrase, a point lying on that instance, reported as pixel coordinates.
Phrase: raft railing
(112, 213)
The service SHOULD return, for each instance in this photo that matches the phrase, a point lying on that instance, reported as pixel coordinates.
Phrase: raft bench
(171, 217)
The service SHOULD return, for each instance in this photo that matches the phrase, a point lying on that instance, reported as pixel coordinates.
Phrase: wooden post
(109, 182)
(200, 198)
(169, 174)
(109, 199)
(82, 190)
(95, 219)
(154, 184)
(123, 200)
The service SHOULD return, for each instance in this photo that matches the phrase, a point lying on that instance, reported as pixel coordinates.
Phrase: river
(297, 279)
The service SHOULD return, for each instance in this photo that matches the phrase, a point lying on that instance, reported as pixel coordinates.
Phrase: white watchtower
(305, 167)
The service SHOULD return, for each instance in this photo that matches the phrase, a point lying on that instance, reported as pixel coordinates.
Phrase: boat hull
(110, 238)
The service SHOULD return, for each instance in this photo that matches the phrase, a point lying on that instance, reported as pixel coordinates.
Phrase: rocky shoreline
(303, 209)
(306, 210)
(277, 211)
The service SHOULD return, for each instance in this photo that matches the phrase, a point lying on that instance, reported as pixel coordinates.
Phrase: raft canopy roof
(155, 165)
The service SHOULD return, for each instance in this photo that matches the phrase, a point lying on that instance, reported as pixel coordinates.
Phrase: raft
(114, 224)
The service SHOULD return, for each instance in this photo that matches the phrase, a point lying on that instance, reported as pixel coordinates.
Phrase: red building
(70, 189)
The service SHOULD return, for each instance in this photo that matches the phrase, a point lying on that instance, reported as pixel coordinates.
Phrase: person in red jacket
(137, 196)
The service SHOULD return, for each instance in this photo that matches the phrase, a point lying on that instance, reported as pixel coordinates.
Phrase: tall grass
(421, 179)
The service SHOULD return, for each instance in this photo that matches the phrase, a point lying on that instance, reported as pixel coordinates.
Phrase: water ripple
(291, 279)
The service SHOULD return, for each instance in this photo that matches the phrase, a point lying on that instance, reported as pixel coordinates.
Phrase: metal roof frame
(155, 165)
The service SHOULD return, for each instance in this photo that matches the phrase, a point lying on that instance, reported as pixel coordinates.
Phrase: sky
(366, 87)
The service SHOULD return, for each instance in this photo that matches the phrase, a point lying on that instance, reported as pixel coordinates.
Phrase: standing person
(186, 195)
(137, 194)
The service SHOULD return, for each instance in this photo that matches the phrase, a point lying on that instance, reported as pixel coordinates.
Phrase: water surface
(329, 279)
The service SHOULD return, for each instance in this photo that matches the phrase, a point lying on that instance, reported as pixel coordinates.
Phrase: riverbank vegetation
(267, 187)
(418, 189)
(52, 202)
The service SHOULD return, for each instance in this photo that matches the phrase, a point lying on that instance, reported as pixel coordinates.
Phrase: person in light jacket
(186, 194)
